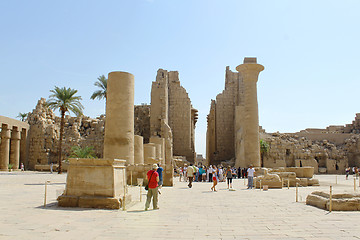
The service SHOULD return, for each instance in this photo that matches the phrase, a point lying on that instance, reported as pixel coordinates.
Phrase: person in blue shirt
(160, 172)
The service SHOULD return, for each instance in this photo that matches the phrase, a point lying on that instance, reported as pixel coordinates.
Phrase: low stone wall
(340, 202)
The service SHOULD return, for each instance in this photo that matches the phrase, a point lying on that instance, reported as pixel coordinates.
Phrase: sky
(310, 51)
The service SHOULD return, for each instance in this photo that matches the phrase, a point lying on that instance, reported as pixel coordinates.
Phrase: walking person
(250, 174)
(210, 170)
(204, 174)
(160, 172)
(153, 178)
(229, 175)
(190, 173)
(214, 179)
(347, 172)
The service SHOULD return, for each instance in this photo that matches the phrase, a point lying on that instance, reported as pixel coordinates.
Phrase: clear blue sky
(310, 50)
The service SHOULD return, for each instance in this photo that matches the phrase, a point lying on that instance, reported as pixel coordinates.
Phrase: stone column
(15, 148)
(5, 147)
(160, 150)
(23, 147)
(138, 150)
(250, 72)
(149, 153)
(119, 124)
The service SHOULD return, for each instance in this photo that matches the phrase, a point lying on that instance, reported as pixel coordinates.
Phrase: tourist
(160, 172)
(185, 173)
(347, 172)
(180, 173)
(153, 178)
(239, 172)
(250, 174)
(214, 179)
(196, 173)
(22, 167)
(200, 172)
(204, 174)
(220, 173)
(190, 174)
(210, 173)
(51, 167)
(229, 175)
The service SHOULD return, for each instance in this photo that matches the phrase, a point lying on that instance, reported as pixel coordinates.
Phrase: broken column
(119, 125)
(138, 149)
(101, 183)
(160, 148)
(250, 72)
(149, 153)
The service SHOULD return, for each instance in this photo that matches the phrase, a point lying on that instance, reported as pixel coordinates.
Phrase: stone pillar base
(92, 202)
(95, 183)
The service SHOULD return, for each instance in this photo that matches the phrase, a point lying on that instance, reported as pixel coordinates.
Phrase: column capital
(250, 69)
(5, 132)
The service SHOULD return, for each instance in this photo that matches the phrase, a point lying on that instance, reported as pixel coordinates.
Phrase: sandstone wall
(180, 118)
(222, 117)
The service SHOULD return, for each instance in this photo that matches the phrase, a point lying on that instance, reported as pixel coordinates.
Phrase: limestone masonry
(328, 150)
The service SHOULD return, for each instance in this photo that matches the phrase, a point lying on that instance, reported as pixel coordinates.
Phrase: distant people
(185, 173)
(196, 173)
(160, 172)
(250, 174)
(214, 179)
(204, 174)
(153, 178)
(239, 172)
(210, 170)
(51, 167)
(347, 172)
(229, 175)
(190, 174)
(22, 167)
(220, 174)
(180, 173)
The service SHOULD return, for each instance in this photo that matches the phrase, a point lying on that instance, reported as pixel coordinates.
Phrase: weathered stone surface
(96, 183)
(340, 202)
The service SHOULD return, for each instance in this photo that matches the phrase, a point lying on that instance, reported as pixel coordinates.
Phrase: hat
(155, 166)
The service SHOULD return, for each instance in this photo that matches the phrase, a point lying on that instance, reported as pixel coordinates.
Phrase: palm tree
(264, 148)
(64, 100)
(22, 116)
(102, 84)
(86, 152)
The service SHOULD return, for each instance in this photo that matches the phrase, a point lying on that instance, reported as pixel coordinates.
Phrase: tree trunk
(60, 140)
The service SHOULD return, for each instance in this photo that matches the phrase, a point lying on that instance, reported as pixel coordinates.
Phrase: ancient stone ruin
(338, 201)
(229, 129)
(13, 143)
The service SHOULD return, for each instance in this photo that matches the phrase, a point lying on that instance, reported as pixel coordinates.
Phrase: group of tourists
(354, 171)
(198, 174)
(205, 174)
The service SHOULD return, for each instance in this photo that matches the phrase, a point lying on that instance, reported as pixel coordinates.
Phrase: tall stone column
(5, 147)
(119, 124)
(250, 72)
(23, 157)
(15, 148)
